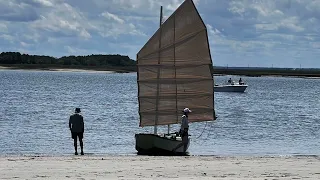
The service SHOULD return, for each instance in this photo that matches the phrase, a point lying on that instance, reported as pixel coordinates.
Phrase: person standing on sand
(184, 130)
(76, 126)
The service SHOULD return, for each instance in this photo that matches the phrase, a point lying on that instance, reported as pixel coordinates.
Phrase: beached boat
(231, 87)
(174, 71)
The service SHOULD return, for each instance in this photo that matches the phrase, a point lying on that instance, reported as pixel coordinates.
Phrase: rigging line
(210, 131)
(202, 131)
(205, 139)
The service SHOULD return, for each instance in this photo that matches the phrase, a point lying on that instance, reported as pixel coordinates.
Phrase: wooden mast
(158, 76)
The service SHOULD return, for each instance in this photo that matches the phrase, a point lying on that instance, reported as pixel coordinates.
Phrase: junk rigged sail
(175, 71)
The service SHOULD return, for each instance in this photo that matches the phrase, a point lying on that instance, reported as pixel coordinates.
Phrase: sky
(242, 33)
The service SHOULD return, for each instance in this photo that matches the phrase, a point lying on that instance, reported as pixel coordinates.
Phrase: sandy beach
(81, 70)
(149, 167)
(57, 69)
(3, 67)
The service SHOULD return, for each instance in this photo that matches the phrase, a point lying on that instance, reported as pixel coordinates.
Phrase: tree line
(15, 58)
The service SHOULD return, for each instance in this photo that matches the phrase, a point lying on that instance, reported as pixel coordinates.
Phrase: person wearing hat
(184, 130)
(184, 120)
(76, 126)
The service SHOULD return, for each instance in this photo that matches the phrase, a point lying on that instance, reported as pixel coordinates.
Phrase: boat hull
(151, 144)
(230, 88)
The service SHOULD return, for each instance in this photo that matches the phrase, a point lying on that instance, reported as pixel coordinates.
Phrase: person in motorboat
(184, 130)
(241, 82)
(229, 81)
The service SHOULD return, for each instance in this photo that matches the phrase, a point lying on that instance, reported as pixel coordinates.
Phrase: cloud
(241, 32)
(3, 28)
(112, 17)
(264, 32)
(24, 44)
(43, 2)
(74, 50)
(14, 11)
(65, 21)
(7, 37)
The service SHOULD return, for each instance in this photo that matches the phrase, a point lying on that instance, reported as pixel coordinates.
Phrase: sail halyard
(175, 70)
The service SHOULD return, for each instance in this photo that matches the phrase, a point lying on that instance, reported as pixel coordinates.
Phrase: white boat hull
(230, 88)
(152, 144)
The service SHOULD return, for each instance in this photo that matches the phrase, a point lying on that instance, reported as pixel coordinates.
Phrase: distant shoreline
(275, 72)
(123, 64)
(249, 72)
(66, 68)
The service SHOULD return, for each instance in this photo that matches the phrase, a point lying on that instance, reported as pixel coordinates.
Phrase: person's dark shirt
(76, 123)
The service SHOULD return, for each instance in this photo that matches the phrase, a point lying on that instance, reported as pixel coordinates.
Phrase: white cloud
(7, 37)
(112, 17)
(290, 23)
(13, 11)
(237, 8)
(276, 29)
(212, 31)
(3, 28)
(116, 26)
(44, 2)
(73, 50)
(24, 44)
(32, 36)
(65, 20)
(315, 45)
(115, 30)
(313, 6)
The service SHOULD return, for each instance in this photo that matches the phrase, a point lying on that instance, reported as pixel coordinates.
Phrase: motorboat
(230, 87)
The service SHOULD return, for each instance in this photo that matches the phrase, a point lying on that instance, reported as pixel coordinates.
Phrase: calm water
(276, 116)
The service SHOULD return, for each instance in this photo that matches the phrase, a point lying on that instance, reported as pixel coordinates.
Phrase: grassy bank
(257, 72)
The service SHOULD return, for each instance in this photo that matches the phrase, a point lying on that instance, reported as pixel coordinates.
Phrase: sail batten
(175, 70)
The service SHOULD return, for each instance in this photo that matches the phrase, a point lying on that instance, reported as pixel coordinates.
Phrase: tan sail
(175, 71)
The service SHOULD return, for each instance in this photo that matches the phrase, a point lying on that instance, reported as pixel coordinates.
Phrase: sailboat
(174, 71)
